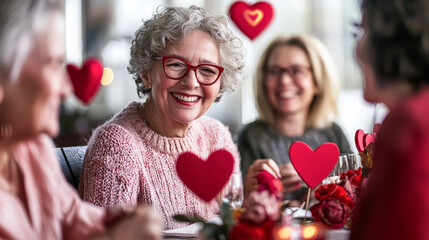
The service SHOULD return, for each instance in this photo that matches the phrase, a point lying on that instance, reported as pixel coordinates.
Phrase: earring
(5, 130)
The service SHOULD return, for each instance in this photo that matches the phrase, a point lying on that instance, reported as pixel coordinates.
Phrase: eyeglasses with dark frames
(176, 68)
(296, 72)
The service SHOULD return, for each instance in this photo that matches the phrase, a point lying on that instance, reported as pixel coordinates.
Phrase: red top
(395, 203)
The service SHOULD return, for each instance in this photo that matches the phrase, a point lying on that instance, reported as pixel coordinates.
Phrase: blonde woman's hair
(324, 105)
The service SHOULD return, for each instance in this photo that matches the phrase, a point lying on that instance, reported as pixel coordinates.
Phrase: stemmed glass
(345, 162)
(234, 191)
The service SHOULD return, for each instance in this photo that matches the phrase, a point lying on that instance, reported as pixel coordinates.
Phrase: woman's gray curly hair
(171, 25)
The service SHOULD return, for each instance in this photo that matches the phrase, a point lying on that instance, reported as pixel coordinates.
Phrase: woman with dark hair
(394, 53)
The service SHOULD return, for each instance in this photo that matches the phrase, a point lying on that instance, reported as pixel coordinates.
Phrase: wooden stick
(306, 204)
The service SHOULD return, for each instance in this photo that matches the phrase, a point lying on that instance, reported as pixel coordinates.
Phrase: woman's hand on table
(290, 178)
(140, 222)
(259, 165)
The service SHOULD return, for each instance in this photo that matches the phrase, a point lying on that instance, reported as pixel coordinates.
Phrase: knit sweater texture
(128, 163)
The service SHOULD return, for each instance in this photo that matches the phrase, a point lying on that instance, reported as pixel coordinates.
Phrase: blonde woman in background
(296, 95)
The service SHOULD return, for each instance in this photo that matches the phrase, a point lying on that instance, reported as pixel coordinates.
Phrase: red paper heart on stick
(359, 140)
(205, 178)
(86, 81)
(368, 138)
(251, 20)
(315, 166)
(362, 139)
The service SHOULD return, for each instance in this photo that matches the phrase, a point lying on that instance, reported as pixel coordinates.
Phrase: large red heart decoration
(315, 166)
(251, 20)
(205, 178)
(86, 81)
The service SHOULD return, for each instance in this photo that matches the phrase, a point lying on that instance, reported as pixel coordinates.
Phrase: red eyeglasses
(176, 68)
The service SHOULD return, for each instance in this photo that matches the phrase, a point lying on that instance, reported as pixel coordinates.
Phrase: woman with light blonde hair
(296, 87)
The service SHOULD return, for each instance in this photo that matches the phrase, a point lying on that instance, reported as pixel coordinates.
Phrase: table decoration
(336, 200)
(205, 178)
(255, 220)
(313, 166)
(365, 146)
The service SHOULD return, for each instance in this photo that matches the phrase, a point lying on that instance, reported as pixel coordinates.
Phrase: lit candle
(282, 233)
(309, 232)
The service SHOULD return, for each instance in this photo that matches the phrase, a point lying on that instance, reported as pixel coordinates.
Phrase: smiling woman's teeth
(287, 94)
(184, 98)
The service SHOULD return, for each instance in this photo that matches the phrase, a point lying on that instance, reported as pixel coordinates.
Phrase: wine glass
(345, 162)
(234, 191)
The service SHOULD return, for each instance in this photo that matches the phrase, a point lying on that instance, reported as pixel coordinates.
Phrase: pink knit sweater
(128, 163)
(54, 209)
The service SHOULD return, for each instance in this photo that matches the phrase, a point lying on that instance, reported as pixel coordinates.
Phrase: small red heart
(359, 140)
(368, 138)
(376, 127)
(251, 20)
(86, 81)
(315, 166)
(205, 178)
(362, 139)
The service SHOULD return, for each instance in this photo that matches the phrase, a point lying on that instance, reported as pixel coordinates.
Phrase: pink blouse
(55, 210)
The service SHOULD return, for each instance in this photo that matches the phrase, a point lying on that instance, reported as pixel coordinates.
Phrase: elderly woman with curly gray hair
(182, 61)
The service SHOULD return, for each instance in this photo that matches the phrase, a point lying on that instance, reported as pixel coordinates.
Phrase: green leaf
(184, 218)
(226, 215)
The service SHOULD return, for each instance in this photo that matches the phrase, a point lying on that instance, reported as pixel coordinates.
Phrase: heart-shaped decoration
(359, 140)
(362, 139)
(86, 81)
(315, 166)
(368, 138)
(376, 127)
(205, 178)
(251, 20)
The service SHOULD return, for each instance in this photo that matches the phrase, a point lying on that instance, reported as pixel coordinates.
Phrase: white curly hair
(170, 25)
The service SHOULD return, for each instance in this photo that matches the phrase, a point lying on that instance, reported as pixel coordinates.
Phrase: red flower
(260, 206)
(246, 230)
(326, 191)
(332, 212)
(350, 190)
(354, 176)
(268, 182)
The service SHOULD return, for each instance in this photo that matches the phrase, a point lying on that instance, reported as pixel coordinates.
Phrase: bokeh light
(309, 232)
(107, 78)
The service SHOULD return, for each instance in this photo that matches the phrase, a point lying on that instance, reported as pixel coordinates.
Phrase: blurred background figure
(393, 53)
(296, 95)
(36, 201)
(182, 59)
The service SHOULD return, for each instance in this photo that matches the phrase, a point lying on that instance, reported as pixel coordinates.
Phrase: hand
(290, 178)
(140, 222)
(259, 165)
